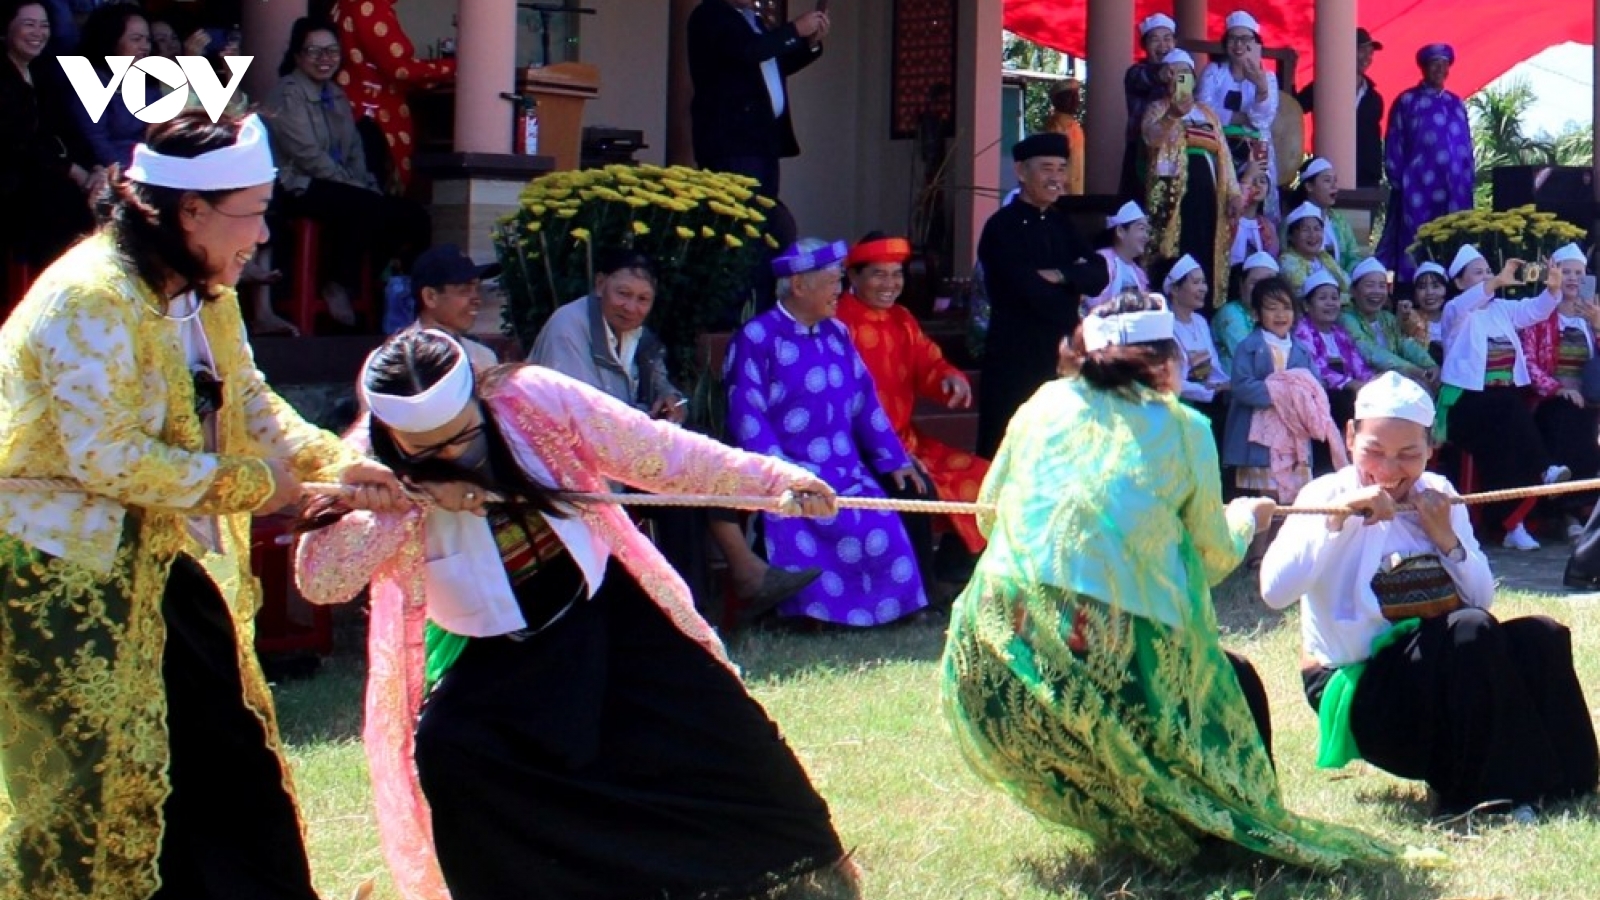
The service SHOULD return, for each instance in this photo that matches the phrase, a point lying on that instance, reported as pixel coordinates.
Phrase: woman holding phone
(1190, 181)
(1245, 95)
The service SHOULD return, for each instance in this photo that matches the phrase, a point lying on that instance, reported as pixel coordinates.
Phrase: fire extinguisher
(525, 125)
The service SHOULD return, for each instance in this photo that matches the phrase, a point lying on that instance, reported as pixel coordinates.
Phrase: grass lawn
(862, 711)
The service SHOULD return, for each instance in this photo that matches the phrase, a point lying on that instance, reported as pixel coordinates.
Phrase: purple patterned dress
(804, 395)
(1428, 158)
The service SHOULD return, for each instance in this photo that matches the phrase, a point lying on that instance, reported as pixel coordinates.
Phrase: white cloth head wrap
(1180, 271)
(1130, 212)
(1464, 258)
(431, 409)
(1394, 396)
(1142, 327)
(1317, 279)
(1242, 19)
(1368, 266)
(1159, 20)
(246, 162)
(1178, 58)
(1261, 259)
(1430, 268)
(1569, 253)
(1306, 210)
(1316, 167)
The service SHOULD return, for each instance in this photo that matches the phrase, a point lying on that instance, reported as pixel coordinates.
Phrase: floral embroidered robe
(95, 387)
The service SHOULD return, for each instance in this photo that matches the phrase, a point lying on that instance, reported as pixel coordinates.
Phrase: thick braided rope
(934, 507)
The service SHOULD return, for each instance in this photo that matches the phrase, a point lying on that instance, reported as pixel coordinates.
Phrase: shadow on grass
(772, 654)
(1222, 872)
(325, 707)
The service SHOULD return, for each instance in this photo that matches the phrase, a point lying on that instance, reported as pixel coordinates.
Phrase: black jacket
(1028, 316)
(1369, 131)
(731, 112)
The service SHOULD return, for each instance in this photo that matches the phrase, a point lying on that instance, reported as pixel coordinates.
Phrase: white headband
(1317, 279)
(1368, 266)
(1429, 268)
(1178, 57)
(1306, 210)
(434, 407)
(1394, 396)
(1180, 271)
(1261, 259)
(1130, 212)
(1316, 167)
(1142, 327)
(1464, 258)
(247, 162)
(1569, 253)
(1159, 20)
(1242, 19)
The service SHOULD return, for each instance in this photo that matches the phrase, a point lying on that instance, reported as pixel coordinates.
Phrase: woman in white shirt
(1122, 245)
(1205, 381)
(1402, 660)
(1245, 96)
(1484, 401)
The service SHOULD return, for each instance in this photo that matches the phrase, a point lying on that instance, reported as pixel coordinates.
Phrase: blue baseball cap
(445, 264)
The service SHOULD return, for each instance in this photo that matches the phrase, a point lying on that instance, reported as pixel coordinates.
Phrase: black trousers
(1255, 695)
(231, 831)
(1496, 426)
(1571, 434)
(609, 757)
(358, 221)
(1479, 709)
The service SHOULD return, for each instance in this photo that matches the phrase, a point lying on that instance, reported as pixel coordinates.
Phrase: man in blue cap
(1035, 267)
(445, 284)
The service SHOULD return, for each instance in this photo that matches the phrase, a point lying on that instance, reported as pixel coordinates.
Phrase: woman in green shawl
(1083, 672)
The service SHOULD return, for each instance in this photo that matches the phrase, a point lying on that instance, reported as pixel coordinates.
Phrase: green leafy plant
(1522, 233)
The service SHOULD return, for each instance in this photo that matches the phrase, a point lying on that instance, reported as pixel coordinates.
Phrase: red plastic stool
(286, 622)
(305, 284)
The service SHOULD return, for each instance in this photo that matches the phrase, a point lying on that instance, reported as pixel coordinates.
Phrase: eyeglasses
(465, 436)
(322, 52)
(208, 394)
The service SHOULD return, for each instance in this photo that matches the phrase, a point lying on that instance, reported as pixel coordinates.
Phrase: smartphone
(1586, 289)
(1183, 86)
(1233, 101)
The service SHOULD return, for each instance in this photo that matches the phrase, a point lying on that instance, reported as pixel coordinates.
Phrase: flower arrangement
(1522, 233)
(702, 229)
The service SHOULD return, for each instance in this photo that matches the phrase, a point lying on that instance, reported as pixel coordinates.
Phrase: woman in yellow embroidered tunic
(137, 739)
(1083, 672)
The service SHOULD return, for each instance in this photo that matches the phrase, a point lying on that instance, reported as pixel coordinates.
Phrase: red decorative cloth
(380, 69)
(905, 364)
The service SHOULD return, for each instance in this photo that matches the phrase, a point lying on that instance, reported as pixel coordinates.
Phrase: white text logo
(179, 75)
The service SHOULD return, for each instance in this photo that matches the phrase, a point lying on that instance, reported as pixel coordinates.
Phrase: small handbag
(1415, 587)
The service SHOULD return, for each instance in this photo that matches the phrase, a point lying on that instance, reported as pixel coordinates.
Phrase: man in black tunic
(1035, 267)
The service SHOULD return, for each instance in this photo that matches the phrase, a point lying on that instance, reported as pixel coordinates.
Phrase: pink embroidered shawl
(1298, 415)
(585, 438)
(1355, 365)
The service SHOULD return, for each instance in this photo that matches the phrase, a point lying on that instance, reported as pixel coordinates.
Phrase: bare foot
(338, 300)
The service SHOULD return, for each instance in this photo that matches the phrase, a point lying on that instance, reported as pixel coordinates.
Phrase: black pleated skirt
(609, 757)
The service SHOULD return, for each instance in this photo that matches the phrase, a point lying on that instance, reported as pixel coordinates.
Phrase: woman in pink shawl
(547, 716)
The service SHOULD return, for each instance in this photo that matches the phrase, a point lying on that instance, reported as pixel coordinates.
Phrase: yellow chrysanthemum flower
(771, 241)
(732, 242)
(684, 233)
(640, 228)
(752, 231)
(706, 232)
(581, 234)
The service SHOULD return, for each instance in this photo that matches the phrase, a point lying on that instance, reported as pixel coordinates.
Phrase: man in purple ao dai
(798, 390)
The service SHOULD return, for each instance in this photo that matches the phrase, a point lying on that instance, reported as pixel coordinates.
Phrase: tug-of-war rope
(787, 504)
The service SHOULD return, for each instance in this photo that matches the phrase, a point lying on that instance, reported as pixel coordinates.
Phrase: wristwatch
(1458, 553)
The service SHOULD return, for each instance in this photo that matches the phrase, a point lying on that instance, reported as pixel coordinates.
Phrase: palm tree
(1498, 138)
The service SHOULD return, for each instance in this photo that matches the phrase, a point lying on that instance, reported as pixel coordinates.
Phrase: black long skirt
(1198, 208)
(609, 757)
(231, 831)
(1481, 710)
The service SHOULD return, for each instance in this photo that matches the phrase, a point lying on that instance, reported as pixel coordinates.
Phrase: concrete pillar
(1111, 30)
(1191, 16)
(487, 33)
(1335, 115)
(680, 89)
(265, 28)
(975, 179)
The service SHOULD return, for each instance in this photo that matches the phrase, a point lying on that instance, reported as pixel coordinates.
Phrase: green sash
(1336, 745)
